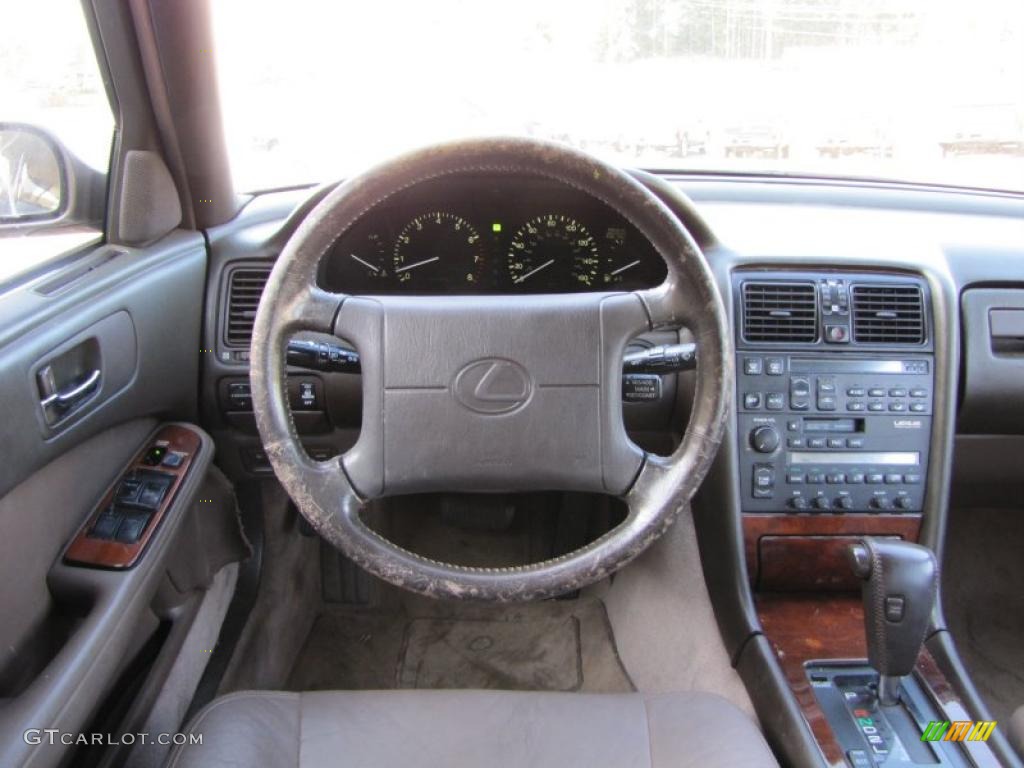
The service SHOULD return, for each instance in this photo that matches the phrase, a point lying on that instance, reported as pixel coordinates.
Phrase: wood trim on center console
(793, 551)
(106, 553)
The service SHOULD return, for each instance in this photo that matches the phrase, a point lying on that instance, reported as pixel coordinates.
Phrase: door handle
(70, 397)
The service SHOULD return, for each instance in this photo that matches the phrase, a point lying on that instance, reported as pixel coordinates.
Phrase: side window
(56, 129)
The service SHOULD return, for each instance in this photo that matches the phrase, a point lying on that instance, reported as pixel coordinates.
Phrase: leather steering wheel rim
(331, 493)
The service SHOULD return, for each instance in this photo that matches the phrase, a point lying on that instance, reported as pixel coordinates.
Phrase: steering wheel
(491, 393)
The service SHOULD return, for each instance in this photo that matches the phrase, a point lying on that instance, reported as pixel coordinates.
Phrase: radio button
(912, 479)
(752, 401)
(816, 478)
(795, 478)
(855, 442)
(836, 479)
(918, 407)
(874, 405)
(764, 481)
(876, 392)
(876, 478)
(919, 393)
(897, 392)
(855, 405)
(816, 442)
(753, 366)
(775, 366)
(795, 442)
(836, 442)
(897, 406)
(856, 392)
(793, 425)
(775, 401)
(856, 478)
(826, 402)
(893, 479)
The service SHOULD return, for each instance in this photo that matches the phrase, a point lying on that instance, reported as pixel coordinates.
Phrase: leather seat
(379, 729)
(1016, 730)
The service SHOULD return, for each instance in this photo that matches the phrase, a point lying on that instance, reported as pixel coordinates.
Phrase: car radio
(824, 433)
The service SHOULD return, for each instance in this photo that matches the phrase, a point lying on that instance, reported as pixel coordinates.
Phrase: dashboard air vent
(780, 312)
(888, 314)
(244, 292)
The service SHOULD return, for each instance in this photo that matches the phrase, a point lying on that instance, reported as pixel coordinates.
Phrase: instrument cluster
(473, 234)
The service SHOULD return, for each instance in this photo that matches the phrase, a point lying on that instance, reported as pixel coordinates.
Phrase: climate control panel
(833, 433)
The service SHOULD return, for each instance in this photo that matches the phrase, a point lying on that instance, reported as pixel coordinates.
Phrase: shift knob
(900, 582)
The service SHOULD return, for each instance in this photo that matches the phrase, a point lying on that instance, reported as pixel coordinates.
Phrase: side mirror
(42, 183)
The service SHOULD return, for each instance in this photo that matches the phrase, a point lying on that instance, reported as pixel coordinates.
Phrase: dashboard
(474, 234)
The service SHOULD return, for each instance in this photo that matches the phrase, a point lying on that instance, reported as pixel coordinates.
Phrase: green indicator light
(496, 226)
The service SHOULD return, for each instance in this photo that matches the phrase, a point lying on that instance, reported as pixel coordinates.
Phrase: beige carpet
(561, 645)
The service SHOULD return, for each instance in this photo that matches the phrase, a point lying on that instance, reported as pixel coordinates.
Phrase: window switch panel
(106, 524)
(131, 528)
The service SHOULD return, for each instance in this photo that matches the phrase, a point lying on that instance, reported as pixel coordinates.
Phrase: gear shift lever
(900, 581)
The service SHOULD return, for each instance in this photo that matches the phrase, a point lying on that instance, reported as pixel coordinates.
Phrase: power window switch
(106, 524)
(132, 527)
(152, 494)
(173, 459)
(128, 490)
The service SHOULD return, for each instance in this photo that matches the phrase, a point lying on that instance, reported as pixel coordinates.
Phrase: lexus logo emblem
(493, 386)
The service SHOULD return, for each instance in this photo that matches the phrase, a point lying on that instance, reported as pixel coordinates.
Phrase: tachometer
(438, 250)
(553, 251)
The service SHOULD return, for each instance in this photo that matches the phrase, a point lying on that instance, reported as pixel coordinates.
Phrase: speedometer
(438, 250)
(553, 251)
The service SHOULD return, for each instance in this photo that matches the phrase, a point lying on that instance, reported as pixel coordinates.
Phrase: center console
(836, 396)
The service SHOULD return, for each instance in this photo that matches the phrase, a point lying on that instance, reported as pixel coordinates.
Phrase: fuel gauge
(370, 258)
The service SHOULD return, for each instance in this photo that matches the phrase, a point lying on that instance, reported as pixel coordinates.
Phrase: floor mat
(549, 646)
(542, 655)
(983, 588)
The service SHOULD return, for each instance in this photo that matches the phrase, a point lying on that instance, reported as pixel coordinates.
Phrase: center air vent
(244, 292)
(888, 314)
(780, 312)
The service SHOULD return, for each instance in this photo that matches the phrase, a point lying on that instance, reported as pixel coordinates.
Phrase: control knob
(822, 503)
(901, 502)
(799, 503)
(764, 439)
(880, 502)
(844, 502)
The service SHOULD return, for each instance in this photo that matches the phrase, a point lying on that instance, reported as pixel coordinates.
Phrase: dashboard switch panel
(834, 433)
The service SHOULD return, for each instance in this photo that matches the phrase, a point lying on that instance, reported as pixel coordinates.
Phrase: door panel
(120, 344)
(143, 308)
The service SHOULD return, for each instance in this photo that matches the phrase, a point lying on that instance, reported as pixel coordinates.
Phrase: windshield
(900, 89)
